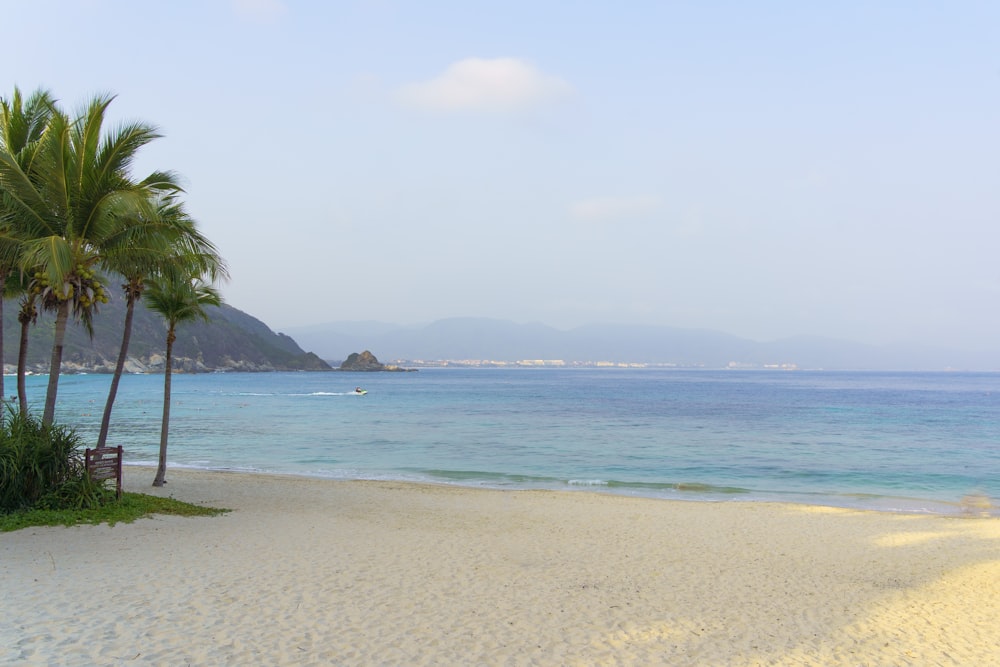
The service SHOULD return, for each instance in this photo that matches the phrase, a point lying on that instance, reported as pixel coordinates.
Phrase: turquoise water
(900, 441)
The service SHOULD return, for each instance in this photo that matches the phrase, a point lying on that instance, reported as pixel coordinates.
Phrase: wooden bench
(105, 463)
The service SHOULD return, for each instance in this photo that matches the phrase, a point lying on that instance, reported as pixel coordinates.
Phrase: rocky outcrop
(366, 362)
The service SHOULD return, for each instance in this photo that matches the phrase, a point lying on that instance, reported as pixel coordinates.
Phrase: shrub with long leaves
(79, 492)
(36, 460)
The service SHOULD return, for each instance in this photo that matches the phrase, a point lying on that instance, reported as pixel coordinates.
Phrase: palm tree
(178, 296)
(18, 284)
(159, 239)
(72, 200)
(26, 316)
(22, 124)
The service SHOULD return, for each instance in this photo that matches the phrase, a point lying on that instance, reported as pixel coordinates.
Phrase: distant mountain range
(234, 340)
(501, 340)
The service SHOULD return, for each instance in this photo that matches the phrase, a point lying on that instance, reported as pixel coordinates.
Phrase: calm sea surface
(901, 441)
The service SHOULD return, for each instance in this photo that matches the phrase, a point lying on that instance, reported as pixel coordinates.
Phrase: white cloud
(603, 209)
(493, 85)
(263, 11)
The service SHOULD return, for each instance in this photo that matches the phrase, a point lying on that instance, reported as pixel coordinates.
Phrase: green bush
(79, 492)
(43, 464)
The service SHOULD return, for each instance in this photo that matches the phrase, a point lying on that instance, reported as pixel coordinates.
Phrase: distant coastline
(560, 363)
(484, 342)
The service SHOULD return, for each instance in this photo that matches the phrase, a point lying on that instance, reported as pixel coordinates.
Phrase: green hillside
(231, 340)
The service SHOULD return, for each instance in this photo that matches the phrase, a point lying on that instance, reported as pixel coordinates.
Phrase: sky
(767, 169)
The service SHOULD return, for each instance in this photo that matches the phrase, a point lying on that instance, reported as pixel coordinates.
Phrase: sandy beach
(316, 572)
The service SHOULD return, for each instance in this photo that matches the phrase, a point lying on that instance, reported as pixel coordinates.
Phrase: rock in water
(365, 362)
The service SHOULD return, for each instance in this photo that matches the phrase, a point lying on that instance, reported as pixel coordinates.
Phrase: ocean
(912, 442)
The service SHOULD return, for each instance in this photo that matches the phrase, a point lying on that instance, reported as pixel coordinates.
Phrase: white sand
(310, 572)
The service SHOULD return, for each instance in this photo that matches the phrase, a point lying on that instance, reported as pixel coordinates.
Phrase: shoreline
(317, 571)
(973, 503)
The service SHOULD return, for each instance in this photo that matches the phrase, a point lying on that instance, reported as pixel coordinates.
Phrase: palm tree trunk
(119, 368)
(59, 338)
(25, 318)
(3, 283)
(161, 469)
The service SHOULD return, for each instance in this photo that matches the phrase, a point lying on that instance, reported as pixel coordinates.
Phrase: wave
(484, 478)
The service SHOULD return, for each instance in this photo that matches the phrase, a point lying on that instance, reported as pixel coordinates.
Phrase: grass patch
(132, 506)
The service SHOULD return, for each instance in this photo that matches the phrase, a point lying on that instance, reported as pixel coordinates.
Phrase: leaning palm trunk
(131, 298)
(161, 469)
(3, 284)
(26, 318)
(59, 338)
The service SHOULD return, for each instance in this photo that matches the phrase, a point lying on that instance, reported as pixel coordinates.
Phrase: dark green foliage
(42, 466)
(79, 492)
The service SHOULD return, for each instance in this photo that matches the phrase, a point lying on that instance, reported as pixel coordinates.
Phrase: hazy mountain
(501, 340)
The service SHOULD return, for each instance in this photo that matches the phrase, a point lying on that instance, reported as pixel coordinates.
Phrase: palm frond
(163, 182)
(22, 121)
(113, 161)
(179, 298)
(50, 255)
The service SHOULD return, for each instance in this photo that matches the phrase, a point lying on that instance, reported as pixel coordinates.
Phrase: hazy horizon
(766, 170)
(987, 347)
(509, 341)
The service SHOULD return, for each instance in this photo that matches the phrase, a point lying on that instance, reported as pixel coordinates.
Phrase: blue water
(895, 441)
